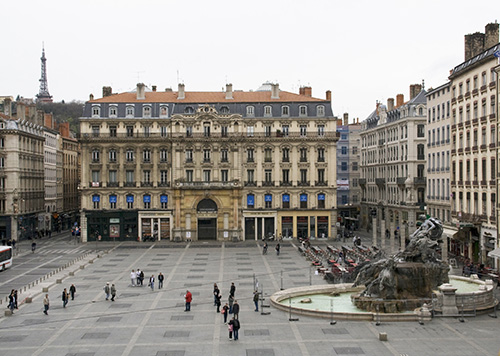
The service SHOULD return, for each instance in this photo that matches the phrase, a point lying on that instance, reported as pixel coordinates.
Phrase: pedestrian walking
(230, 329)
(133, 277)
(189, 298)
(225, 311)
(264, 249)
(33, 247)
(107, 290)
(12, 301)
(15, 299)
(64, 297)
(161, 277)
(72, 291)
(256, 300)
(277, 248)
(113, 292)
(152, 282)
(230, 301)
(236, 309)
(216, 293)
(46, 304)
(141, 277)
(217, 302)
(235, 323)
(232, 290)
(138, 277)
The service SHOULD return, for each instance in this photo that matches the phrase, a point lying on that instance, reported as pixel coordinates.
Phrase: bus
(5, 257)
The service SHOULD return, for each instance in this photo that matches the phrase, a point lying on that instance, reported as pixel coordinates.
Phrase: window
(321, 176)
(96, 131)
(130, 131)
(285, 130)
(250, 176)
(223, 155)
(492, 135)
(250, 201)
(224, 175)
(285, 111)
(163, 177)
(250, 152)
(113, 110)
(224, 110)
(146, 155)
(146, 177)
(267, 130)
(250, 111)
(320, 111)
(268, 175)
(420, 151)
(112, 131)
(206, 155)
(96, 111)
(206, 129)
(96, 178)
(112, 201)
(96, 199)
(285, 175)
(189, 175)
(129, 111)
(268, 111)
(286, 155)
(268, 201)
(343, 150)
(164, 201)
(303, 176)
(343, 166)
(163, 155)
(129, 155)
(420, 131)
(303, 154)
(321, 201)
(129, 177)
(303, 201)
(250, 130)
(223, 131)
(189, 110)
(189, 155)
(147, 111)
(206, 175)
(146, 131)
(492, 169)
(354, 166)
(130, 201)
(302, 110)
(321, 130)
(112, 177)
(163, 111)
(268, 155)
(321, 154)
(189, 131)
(112, 155)
(285, 201)
(95, 155)
(303, 130)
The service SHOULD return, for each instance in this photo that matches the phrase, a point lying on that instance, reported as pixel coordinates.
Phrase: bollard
(28, 300)
(45, 289)
(382, 336)
(82, 267)
(71, 273)
(8, 312)
(58, 281)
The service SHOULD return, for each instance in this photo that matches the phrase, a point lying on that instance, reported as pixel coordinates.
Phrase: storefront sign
(114, 220)
(146, 198)
(96, 198)
(163, 198)
(130, 198)
(321, 197)
(112, 198)
(286, 198)
(250, 199)
(268, 197)
(303, 197)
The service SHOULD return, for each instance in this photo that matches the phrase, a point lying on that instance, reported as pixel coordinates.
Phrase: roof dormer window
(113, 111)
(163, 111)
(129, 111)
(189, 110)
(302, 110)
(268, 111)
(250, 111)
(320, 111)
(96, 111)
(146, 111)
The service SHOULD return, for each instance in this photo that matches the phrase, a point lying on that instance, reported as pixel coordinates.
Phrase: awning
(494, 253)
(449, 232)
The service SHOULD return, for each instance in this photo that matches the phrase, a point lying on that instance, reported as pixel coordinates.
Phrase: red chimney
(328, 95)
(400, 100)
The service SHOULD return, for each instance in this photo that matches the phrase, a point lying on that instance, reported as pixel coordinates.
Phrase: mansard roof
(476, 60)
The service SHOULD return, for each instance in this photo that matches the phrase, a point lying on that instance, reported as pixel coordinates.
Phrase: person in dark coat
(232, 290)
(161, 277)
(64, 297)
(225, 310)
(236, 309)
(217, 302)
(277, 248)
(72, 291)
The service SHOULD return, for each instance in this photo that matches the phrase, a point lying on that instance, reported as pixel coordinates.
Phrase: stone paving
(146, 322)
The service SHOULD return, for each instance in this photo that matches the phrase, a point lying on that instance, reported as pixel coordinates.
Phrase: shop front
(304, 224)
(155, 225)
(111, 226)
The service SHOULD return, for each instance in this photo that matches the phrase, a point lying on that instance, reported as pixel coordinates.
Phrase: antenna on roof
(423, 84)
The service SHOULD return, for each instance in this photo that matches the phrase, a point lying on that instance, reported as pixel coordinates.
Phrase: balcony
(467, 123)
(268, 183)
(362, 181)
(474, 148)
(146, 184)
(321, 159)
(129, 184)
(475, 92)
(204, 185)
(493, 84)
(419, 180)
(95, 184)
(286, 183)
(475, 183)
(285, 159)
(112, 184)
(492, 145)
(380, 181)
(303, 159)
(483, 88)
(401, 180)
(321, 183)
(164, 184)
(483, 119)
(467, 95)
(467, 182)
(460, 150)
(304, 183)
(453, 151)
(492, 183)
(250, 184)
(250, 160)
(475, 121)
(483, 147)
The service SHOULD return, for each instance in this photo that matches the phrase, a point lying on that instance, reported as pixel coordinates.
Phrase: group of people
(265, 247)
(231, 307)
(13, 300)
(110, 291)
(65, 296)
(137, 279)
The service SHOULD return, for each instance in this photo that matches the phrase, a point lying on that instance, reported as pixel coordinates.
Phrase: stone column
(382, 235)
(83, 227)
(374, 227)
(449, 299)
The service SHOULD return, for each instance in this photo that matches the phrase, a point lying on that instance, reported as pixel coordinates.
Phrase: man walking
(236, 309)
(133, 277)
(188, 297)
(161, 277)
(46, 304)
(277, 248)
(232, 290)
(256, 300)
(64, 297)
(113, 292)
(152, 282)
(72, 291)
(236, 327)
(107, 290)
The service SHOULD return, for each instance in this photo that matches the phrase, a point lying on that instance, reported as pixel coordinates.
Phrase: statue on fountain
(402, 281)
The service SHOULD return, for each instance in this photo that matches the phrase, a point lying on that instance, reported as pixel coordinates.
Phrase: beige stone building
(393, 166)
(70, 176)
(208, 165)
(474, 146)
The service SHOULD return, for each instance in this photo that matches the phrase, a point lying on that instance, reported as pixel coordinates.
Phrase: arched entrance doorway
(207, 220)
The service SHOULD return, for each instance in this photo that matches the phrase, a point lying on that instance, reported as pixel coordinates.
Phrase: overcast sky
(361, 50)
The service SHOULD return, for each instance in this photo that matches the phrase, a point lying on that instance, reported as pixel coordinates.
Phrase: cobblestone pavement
(143, 321)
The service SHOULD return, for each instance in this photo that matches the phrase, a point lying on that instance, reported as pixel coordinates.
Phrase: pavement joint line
(138, 331)
(387, 344)
(217, 333)
(82, 312)
(467, 340)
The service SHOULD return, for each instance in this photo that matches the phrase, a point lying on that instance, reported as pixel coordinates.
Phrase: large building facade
(393, 163)
(227, 165)
(474, 144)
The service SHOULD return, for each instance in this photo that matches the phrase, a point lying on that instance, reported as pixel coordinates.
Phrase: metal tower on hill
(44, 95)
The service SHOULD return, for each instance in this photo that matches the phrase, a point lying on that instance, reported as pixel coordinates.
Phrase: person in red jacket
(189, 298)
